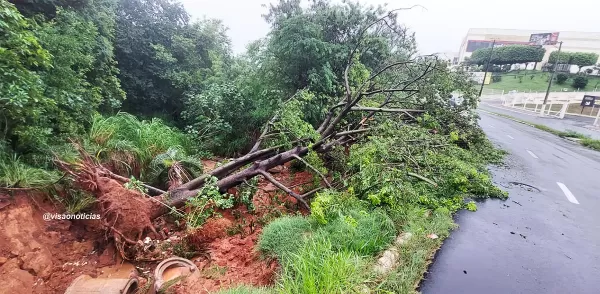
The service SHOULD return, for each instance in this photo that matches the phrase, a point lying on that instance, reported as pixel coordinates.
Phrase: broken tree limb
(346, 133)
(311, 192)
(314, 169)
(375, 109)
(281, 186)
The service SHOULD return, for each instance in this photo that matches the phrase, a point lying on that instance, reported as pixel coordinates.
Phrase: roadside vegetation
(98, 108)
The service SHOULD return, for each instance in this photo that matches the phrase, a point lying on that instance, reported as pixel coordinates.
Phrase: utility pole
(487, 65)
(551, 78)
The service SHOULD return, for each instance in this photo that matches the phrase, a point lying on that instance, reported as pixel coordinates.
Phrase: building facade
(572, 41)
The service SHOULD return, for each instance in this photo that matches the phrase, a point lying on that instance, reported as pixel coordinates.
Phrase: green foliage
(74, 200)
(173, 168)
(580, 82)
(220, 119)
(129, 145)
(22, 100)
(562, 58)
(16, 174)
(580, 59)
(284, 236)
(561, 78)
(361, 232)
(136, 185)
(203, 206)
(163, 57)
(591, 143)
(385, 164)
(318, 268)
(508, 55)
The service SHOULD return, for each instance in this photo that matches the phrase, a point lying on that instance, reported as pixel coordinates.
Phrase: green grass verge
(510, 81)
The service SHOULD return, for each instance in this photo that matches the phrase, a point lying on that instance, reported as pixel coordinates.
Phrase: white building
(572, 41)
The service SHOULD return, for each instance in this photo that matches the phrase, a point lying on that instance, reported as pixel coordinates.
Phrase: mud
(38, 256)
(44, 257)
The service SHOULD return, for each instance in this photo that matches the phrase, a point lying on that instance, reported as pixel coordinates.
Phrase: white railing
(534, 102)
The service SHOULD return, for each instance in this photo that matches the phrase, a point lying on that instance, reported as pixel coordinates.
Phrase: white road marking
(568, 193)
(532, 154)
(510, 137)
(492, 126)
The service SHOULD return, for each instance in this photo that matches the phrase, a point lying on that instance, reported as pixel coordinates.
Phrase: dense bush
(561, 78)
(580, 82)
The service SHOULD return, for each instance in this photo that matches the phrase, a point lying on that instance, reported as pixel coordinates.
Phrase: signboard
(478, 77)
(588, 101)
(544, 39)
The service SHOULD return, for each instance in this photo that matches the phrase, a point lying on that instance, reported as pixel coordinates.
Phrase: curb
(509, 118)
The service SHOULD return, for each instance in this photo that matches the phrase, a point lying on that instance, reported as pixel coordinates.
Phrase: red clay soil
(234, 260)
(38, 256)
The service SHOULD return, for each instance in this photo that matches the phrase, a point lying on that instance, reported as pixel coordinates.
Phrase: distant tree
(507, 55)
(565, 57)
(582, 59)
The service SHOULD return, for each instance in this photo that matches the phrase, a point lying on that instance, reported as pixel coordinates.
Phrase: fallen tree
(392, 89)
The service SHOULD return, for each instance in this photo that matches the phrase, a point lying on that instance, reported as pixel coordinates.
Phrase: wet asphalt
(537, 241)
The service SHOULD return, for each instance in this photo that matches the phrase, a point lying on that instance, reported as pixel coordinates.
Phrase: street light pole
(551, 78)
(487, 65)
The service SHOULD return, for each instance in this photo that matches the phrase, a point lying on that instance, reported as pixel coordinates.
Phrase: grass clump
(591, 143)
(16, 174)
(284, 236)
(319, 268)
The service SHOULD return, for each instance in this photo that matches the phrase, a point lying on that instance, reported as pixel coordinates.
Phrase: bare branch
(265, 129)
(314, 169)
(346, 133)
(388, 67)
(388, 91)
(311, 192)
(281, 186)
(386, 109)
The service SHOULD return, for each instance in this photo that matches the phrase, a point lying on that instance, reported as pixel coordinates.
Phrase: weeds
(16, 174)
(318, 268)
(591, 143)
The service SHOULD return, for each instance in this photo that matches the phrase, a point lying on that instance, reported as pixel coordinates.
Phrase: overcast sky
(439, 27)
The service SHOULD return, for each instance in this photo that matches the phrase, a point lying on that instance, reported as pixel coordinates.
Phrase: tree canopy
(510, 54)
(580, 59)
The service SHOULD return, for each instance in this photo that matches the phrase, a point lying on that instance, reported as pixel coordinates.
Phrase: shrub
(561, 78)
(496, 78)
(284, 236)
(580, 82)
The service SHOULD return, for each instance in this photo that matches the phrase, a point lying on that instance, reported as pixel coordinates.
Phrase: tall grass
(16, 174)
(129, 144)
(318, 268)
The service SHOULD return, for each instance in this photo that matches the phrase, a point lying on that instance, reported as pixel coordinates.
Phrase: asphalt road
(545, 241)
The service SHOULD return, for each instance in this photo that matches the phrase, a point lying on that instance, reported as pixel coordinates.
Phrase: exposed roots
(125, 213)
